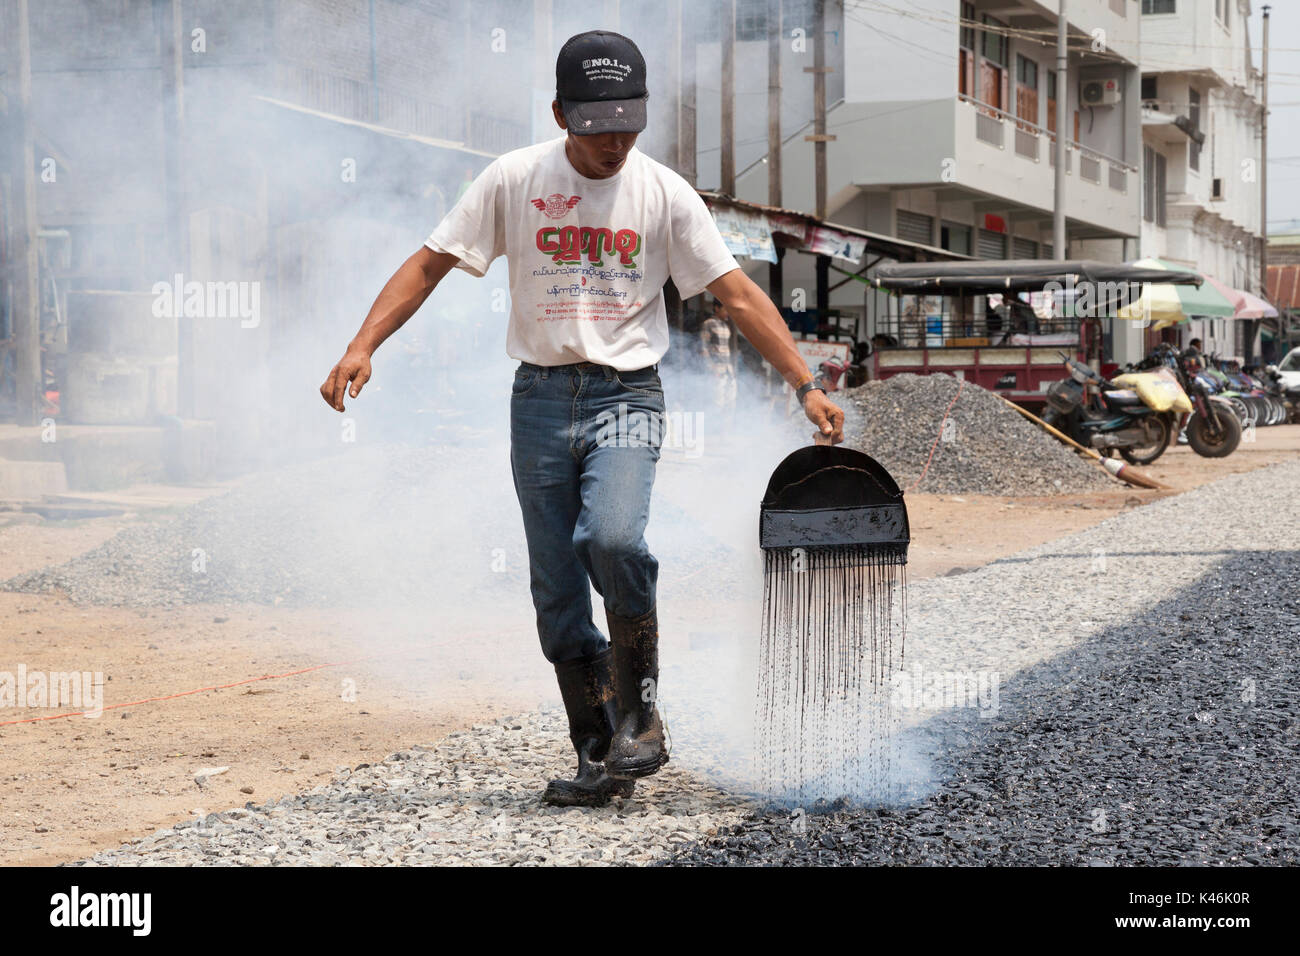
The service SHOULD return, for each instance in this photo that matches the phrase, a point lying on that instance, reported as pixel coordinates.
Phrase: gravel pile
(984, 447)
(301, 535)
(473, 799)
(399, 524)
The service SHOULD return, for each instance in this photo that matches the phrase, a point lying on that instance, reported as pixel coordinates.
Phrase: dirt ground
(74, 786)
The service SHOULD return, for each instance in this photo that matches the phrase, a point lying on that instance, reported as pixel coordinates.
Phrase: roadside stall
(832, 338)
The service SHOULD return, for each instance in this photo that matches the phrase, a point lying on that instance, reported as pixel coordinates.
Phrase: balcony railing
(990, 127)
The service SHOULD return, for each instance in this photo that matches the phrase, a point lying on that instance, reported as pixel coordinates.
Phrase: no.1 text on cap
(600, 83)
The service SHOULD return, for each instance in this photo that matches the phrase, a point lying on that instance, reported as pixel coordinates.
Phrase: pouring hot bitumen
(834, 533)
(592, 229)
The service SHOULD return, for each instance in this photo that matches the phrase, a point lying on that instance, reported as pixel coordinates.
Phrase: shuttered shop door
(915, 227)
(992, 245)
(1024, 249)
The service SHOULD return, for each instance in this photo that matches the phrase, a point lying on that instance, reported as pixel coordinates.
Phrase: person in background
(465, 183)
(1194, 354)
(717, 346)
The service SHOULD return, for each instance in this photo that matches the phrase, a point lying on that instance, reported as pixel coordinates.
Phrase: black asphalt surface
(1171, 738)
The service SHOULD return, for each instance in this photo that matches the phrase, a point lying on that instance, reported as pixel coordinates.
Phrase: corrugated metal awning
(799, 230)
(1284, 286)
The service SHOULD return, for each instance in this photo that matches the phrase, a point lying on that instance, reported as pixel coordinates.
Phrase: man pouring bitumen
(591, 229)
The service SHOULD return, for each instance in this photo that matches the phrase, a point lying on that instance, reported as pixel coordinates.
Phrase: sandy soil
(74, 785)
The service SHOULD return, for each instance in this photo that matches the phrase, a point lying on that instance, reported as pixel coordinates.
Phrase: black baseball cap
(600, 83)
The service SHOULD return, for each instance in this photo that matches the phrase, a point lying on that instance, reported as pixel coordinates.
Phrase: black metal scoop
(830, 496)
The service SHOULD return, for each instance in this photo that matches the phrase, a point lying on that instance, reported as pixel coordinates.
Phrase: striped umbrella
(1165, 304)
(1245, 305)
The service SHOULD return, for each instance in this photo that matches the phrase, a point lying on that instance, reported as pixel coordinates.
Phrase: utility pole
(1062, 101)
(25, 268)
(686, 97)
(819, 138)
(543, 72)
(729, 97)
(774, 102)
(1282, 342)
(775, 273)
(171, 65)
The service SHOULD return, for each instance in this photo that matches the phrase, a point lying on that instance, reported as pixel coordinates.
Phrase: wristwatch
(802, 391)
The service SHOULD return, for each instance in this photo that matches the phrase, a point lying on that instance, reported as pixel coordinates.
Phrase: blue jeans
(584, 442)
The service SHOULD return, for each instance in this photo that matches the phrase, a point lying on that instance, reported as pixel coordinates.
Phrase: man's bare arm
(761, 323)
(401, 296)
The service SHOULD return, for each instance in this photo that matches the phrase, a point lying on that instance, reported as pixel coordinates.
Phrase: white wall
(901, 58)
(1192, 49)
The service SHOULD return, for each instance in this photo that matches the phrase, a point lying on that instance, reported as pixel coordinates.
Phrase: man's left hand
(826, 415)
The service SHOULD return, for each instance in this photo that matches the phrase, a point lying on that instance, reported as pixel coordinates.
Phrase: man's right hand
(401, 296)
(353, 369)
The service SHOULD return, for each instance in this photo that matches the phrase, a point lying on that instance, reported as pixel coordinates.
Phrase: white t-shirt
(588, 258)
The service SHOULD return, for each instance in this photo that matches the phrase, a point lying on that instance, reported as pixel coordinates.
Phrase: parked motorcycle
(1134, 415)
(1213, 428)
(1288, 395)
(1219, 383)
(1265, 394)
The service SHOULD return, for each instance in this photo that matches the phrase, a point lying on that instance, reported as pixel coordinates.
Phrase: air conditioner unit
(1100, 93)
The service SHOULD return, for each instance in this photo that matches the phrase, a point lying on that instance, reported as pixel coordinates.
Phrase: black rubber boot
(637, 748)
(587, 687)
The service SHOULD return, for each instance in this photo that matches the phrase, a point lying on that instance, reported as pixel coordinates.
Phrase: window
(968, 26)
(966, 53)
(1051, 107)
(1158, 6)
(1148, 184)
(751, 21)
(1154, 175)
(1222, 9)
(996, 45)
(993, 68)
(1027, 90)
(1150, 88)
(1026, 72)
(1194, 115)
(955, 237)
(1162, 191)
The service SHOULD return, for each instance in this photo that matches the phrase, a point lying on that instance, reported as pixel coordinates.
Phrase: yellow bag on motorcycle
(1158, 389)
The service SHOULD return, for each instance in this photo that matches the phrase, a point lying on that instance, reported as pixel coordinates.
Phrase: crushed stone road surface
(1148, 711)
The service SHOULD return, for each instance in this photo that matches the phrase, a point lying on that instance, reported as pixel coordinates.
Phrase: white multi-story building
(1201, 118)
(944, 114)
